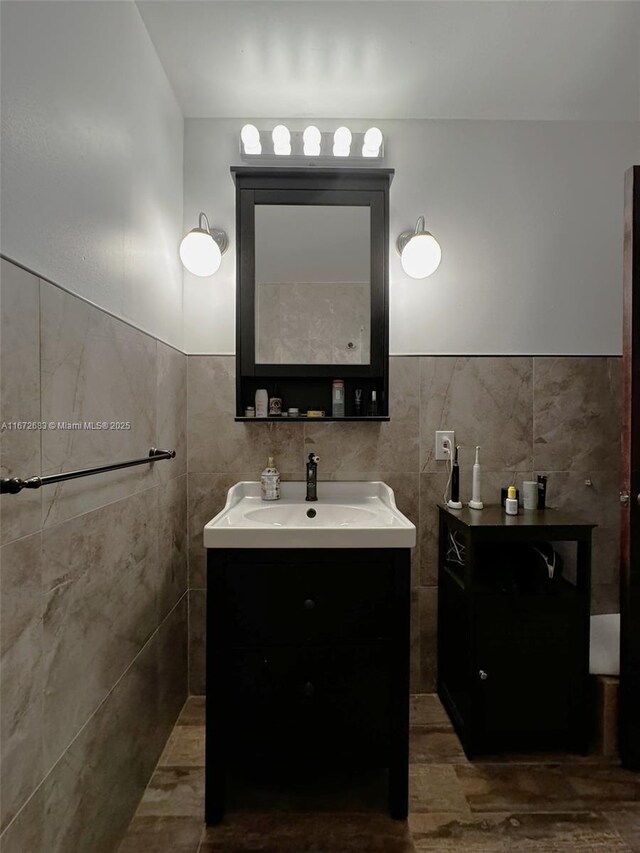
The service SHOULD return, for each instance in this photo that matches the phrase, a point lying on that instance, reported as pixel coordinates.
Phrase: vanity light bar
(309, 145)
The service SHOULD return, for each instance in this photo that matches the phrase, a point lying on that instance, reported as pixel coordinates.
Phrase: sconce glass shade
(372, 142)
(202, 248)
(311, 139)
(420, 252)
(281, 137)
(250, 137)
(342, 142)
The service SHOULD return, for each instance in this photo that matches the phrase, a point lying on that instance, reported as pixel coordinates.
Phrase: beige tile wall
(559, 416)
(93, 573)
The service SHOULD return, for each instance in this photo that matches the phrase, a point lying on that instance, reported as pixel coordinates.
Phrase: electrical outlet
(442, 451)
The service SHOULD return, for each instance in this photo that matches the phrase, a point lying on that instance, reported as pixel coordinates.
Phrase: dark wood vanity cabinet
(307, 665)
(513, 643)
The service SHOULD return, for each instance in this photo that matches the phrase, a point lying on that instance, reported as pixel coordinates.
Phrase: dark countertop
(495, 516)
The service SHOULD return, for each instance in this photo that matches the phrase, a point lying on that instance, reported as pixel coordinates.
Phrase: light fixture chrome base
(404, 238)
(221, 239)
(218, 234)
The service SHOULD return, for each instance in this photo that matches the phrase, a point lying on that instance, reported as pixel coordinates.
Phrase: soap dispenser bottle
(270, 482)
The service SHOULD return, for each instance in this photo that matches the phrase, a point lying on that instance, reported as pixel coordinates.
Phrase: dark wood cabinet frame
(308, 186)
(474, 640)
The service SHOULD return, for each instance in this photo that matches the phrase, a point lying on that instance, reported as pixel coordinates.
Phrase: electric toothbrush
(454, 501)
(476, 501)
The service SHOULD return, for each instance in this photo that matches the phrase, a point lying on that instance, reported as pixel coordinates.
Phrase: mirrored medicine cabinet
(312, 288)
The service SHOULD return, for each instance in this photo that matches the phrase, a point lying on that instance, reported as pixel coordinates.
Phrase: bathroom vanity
(308, 636)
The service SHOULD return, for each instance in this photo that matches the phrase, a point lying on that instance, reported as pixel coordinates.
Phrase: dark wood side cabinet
(513, 642)
(307, 665)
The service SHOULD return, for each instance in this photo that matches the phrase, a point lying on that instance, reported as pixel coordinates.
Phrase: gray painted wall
(91, 158)
(529, 215)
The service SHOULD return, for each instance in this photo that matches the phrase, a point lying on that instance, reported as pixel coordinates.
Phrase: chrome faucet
(312, 477)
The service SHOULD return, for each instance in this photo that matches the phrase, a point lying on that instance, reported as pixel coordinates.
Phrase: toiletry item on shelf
(454, 501)
(357, 402)
(373, 405)
(530, 494)
(315, 413)
(294, 412)
(250, 412)
(476, 499)
(337, 398)
(270, 482)
(542, 491)
(275, 407)
(511, 504)
(504, 493)
(262, 402)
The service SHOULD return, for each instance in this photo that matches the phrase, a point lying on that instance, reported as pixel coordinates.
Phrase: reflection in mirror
(313, 284)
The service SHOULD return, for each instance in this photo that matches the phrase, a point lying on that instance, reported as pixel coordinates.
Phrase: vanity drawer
(287, 601)
(298, 705)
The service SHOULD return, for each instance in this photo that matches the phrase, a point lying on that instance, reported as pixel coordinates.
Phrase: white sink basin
(346, 515)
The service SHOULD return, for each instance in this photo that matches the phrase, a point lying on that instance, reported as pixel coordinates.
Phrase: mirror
(312, 284)
(312, 288)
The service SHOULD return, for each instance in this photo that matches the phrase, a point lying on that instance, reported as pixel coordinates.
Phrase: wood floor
(514, 804)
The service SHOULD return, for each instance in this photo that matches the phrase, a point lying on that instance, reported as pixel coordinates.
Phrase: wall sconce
(420, 252)
(202, 248)
(310, 146)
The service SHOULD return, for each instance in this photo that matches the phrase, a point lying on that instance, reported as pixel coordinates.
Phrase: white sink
(346, 515)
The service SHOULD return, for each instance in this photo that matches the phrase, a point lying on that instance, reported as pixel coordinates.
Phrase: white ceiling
(397, 60)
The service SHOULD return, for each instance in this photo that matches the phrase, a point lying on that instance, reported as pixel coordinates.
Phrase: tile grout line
(533, 414)
(137, 493)
(90, 718)
(188, 530)
(88, 301)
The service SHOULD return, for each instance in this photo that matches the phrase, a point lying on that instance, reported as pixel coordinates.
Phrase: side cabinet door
(527, 655)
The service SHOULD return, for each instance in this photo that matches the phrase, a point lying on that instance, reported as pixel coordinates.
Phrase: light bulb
(373, 138)
(372, 142)
(250, 136)
(200, 253)
(341, 142)
(311, 139)
(281, 139)
(421, 256)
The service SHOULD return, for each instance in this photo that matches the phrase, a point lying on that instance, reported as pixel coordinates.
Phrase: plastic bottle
(511, 503)
(337, 398)
(270, 482)
(262, 403)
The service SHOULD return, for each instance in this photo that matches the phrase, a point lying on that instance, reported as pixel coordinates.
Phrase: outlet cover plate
(441, 435)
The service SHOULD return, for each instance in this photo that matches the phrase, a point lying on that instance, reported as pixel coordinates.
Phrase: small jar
(250, 412)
